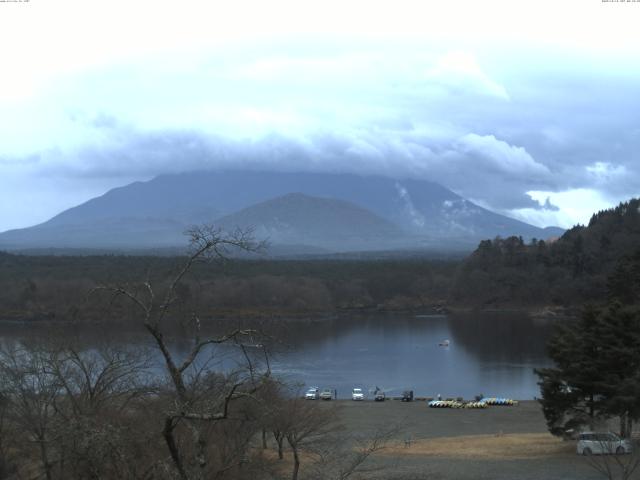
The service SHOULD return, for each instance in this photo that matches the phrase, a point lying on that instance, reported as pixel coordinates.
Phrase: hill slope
(302, 219)
(570, 271)
(154, 213)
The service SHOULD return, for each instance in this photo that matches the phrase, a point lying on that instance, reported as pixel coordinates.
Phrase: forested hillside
(569, 271)
(500, 273)
(50, 287)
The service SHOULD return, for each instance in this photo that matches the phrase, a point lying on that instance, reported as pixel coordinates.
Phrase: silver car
(357, 394)
(592, 443)
(313, 393)
(326, 394)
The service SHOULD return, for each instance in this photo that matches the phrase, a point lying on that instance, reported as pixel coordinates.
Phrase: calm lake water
(489, 353)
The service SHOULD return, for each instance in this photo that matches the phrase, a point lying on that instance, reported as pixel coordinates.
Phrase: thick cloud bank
(541, 133)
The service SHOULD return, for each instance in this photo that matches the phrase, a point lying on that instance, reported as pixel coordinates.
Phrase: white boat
(444, 343)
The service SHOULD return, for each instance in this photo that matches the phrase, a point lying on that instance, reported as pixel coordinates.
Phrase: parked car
(379, 396)
(592, 443)
(407, 396)
(313, 393)
(357, 394)
(326, 394)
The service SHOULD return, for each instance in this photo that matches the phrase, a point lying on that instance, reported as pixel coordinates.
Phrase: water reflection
(493, 354)
(489, 353)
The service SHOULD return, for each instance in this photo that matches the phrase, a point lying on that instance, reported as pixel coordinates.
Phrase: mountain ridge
(297, 218)
(156, 212)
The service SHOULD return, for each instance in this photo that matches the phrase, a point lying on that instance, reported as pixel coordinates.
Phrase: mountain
(156, 212)
(334, 224)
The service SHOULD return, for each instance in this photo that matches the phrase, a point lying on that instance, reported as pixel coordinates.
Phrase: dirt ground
(464, 444)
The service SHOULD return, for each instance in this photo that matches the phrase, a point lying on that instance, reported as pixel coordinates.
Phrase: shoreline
(544, 312)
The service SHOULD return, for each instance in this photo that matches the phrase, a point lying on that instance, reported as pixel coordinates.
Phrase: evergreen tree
(624, 283)
(570, 392)
(620, 332)
(597, 361)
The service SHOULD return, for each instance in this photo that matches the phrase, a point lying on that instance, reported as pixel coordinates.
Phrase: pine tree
(597, 360)
(570, 392)
(620, 332)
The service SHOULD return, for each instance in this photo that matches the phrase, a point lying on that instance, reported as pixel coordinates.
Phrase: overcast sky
(531, 109)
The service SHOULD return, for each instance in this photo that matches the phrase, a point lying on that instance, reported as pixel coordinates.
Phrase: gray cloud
(466, 164)
(547, 205)
(490, 134)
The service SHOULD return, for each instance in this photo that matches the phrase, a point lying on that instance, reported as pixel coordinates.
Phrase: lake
(488, 353)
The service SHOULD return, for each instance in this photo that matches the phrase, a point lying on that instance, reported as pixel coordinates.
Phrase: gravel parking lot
(494, 443)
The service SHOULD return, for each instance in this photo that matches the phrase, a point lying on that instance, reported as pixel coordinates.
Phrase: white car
(326, 394)
(591, 443)
(357, 394)
(313, 393)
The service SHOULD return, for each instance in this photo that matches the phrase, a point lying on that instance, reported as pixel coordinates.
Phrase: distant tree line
(54, 288)
(500, 272)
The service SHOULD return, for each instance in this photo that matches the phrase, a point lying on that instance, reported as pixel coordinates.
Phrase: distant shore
(544, 312)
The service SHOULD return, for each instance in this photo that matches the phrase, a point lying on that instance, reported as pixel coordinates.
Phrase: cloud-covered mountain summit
(334, 211)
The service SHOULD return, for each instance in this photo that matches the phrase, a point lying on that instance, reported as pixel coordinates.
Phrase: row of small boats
(499, 401)
(483, 403)
(456, 404)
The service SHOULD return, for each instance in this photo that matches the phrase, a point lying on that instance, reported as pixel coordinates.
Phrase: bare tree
(612, 463)
(98, 379)
(349, 455)
(315, 429)
(195, 399)
(75, 407)
(273, 415)
(304, 424)
(95, 409)
(5, 457)
(30, 391)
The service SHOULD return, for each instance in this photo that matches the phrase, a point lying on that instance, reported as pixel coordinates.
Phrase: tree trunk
(296, 463)
(174, 371)
(167, 432)
(279, 440)
(626, 425)
(45, 459)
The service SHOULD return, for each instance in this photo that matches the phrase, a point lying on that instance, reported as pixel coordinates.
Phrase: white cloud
(497, 155)
(476, 95)
(574, 207)
(604, 172)
(460, 70)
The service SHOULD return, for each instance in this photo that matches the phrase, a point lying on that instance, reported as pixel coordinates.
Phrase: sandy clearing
(507, 446)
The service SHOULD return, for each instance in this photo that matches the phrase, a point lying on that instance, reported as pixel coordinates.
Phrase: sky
(530, 109)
